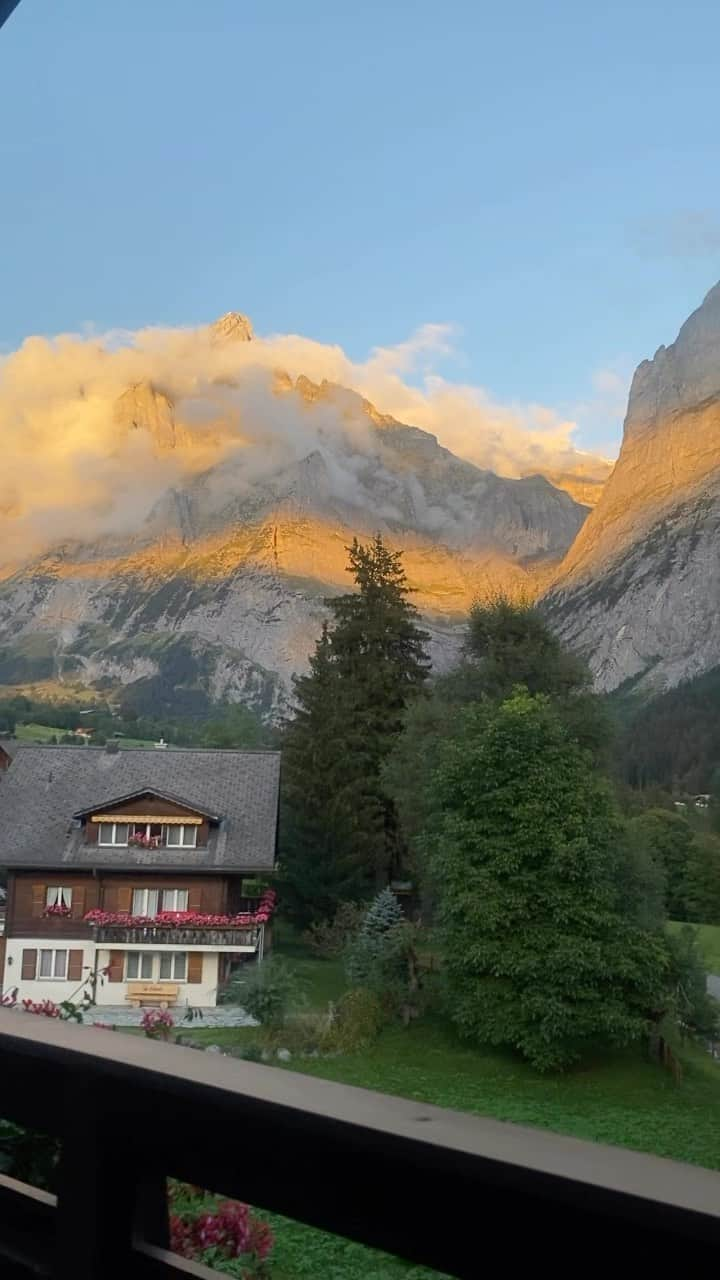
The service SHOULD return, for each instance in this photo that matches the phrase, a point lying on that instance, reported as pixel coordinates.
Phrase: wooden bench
(157, 993)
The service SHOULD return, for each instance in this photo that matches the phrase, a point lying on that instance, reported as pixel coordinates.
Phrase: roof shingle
(45, 786)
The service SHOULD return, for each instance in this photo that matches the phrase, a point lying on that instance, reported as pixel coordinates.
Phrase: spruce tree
(341, 836)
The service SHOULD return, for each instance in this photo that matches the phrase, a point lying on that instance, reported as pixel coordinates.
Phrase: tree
(540, 951)
(341, 827)
(382, 958)
(669, 840)
(509, 643)
(326, 839)
(237, 727)
(702, 884)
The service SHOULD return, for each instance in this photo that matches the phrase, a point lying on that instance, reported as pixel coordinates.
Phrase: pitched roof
(45, 786)
(106, 803)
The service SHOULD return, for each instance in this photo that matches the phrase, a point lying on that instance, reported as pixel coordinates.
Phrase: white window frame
(179, 899)
(58, 895)
(140, 958)
(152, 961)
(108, 844)
(55, 962)
(142, 905)
(187, 832)
(178, 960)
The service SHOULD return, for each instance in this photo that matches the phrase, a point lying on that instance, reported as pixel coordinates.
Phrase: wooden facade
(106, 891)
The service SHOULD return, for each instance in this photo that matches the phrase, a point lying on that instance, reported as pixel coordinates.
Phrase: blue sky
(544, 177)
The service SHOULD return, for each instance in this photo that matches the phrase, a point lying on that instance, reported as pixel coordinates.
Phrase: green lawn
(37, 732)
(619, 1099)
(46, 732)
(708, 940)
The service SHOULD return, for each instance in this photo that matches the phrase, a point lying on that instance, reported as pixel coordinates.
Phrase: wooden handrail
(437, 1187)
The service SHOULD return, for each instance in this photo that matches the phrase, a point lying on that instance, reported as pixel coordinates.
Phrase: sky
(541, 178)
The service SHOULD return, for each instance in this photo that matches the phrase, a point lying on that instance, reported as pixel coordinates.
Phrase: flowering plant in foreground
(227, 1230)
(187, 919)
(157, 1023)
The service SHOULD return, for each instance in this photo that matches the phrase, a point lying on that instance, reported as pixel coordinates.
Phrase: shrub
(358, 1021)
(328, 938)
(213, 1232)
(269, 992)
(306, 1032)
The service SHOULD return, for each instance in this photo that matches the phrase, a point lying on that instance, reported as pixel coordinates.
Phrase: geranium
(231, 1231)
(59, 909)
(157, 1023)
(187, 919)
(45, 1008)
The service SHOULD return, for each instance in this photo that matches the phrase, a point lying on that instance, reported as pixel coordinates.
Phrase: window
(114, 833)
(145, 902)
(174, 899)
(181, 836)
(53, 964)
(173, 964)
(58, 897)
(158, 967)
(139, 965)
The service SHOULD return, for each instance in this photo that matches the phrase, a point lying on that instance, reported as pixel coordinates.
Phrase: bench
(157, 993)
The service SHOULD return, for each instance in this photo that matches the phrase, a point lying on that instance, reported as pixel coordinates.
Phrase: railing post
(105, 1192)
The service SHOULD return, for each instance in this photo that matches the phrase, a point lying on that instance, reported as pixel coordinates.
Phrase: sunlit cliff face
(96, 431)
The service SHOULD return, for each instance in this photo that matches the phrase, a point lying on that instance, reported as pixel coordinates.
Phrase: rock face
(219, 593)
(639, 590)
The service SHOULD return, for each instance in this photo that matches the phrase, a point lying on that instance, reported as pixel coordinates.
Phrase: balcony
(435, 1187)
(229, 937)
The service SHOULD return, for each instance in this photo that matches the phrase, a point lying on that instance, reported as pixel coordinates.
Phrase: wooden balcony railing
(223, 936)
(452, 1191)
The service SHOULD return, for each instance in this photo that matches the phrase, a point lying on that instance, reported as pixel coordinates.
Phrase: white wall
(55, 989)
(189, 993)
(107, 993)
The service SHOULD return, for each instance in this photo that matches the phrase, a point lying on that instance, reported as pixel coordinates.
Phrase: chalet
(127, 868)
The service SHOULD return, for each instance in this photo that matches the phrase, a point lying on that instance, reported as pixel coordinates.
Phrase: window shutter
(29, 963)
(195, 965)
(117, 963)
(39, 892)
(124, 898)
(75, 966)
(195, 897)
(78, 901)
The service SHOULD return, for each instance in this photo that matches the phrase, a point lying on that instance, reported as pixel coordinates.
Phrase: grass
(37, 732)
(708, 936)
(46, 732)
(619, 1099)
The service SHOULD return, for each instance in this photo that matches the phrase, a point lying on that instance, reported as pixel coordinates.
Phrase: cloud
(687, 233)
(83, 457)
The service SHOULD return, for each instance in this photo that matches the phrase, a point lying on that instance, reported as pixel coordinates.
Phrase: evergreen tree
(669, 839)
(341, 835)
(540, 951)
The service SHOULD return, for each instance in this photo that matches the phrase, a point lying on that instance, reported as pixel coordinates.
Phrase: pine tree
(341, 833)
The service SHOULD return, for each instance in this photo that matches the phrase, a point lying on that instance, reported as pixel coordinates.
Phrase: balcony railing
(439, 1188)
(179, 937)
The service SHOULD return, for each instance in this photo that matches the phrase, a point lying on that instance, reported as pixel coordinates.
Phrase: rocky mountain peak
(232, 327)
(639, 589)
(143, 407)
(681, 376)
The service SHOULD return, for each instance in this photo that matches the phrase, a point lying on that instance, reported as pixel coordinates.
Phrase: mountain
(639, 589)
(216, 592)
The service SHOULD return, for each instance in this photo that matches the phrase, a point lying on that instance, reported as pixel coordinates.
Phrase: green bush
(268, 993)
(358, 1021)
(328, 938)
(302, 1033)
